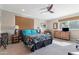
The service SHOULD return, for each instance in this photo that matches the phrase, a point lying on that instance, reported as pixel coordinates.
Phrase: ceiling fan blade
(51, 11)
(51, 6)
(48, 9)
(43, 12)
(42, 8)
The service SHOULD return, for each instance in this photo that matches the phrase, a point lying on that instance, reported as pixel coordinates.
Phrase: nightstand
(15, 39)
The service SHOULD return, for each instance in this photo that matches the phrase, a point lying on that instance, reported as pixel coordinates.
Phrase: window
(72, 25)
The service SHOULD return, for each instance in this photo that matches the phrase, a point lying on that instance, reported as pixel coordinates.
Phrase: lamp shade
(16, 27)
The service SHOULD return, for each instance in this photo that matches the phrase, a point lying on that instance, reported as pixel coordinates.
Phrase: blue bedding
(38, 38)
(29, 32)
(34, 40)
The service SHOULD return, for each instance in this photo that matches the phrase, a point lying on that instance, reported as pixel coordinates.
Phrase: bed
(34, 40)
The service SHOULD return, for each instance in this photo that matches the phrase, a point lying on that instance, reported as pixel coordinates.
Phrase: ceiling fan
(48, 9)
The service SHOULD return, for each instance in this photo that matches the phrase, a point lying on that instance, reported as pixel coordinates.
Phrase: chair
(4, 39)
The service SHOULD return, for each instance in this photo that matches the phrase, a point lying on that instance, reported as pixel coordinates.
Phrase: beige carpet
(15, 49)
(58, 47)
(62, 42)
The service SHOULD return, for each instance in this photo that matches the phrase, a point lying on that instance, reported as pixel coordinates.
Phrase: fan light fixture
(23, 9)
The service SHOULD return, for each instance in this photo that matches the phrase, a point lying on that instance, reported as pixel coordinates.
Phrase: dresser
(62, 35)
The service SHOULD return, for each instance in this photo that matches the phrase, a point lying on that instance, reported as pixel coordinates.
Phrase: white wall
(38, 23)
(50, 24)
(7, 22)
(0, 21)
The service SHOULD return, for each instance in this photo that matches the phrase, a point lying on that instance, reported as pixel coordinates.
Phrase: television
(65, 29)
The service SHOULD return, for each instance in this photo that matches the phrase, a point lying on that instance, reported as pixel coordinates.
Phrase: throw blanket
(37, 38)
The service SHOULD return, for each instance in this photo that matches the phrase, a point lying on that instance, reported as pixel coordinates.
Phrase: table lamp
(16, 29)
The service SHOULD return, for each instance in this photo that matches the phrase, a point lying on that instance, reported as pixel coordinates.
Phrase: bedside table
(15, 39)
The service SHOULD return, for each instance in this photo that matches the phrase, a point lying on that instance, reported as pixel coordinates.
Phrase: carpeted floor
(58, 47)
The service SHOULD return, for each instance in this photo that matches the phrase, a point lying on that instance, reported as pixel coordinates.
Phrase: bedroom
(30, 16)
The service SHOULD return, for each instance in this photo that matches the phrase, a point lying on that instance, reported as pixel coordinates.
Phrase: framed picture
(55, 26)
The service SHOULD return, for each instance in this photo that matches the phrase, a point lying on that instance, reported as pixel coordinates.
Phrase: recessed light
(23, 10)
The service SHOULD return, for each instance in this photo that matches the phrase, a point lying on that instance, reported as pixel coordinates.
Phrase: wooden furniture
(15, 39)
(17, 36)
(62, 35)
(24, 23)
(57, 34)
(47, 32)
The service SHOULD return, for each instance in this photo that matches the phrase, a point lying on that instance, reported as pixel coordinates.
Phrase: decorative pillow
(33, 32)
(27, 32)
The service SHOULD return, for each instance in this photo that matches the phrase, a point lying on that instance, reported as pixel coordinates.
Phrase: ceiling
(33, 10)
